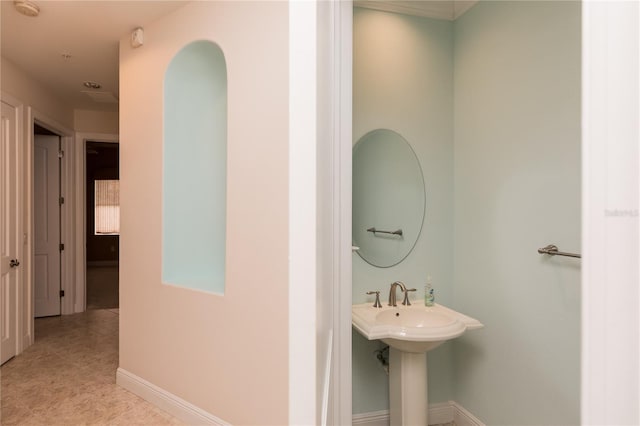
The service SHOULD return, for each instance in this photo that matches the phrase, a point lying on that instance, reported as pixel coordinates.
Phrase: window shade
(107, 207)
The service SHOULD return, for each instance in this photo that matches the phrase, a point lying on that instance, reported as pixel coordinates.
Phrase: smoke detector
(27, 8)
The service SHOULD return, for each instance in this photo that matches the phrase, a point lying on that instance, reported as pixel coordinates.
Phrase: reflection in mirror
(388, 198)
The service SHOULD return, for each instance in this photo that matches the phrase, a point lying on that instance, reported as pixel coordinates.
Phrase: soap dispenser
(429, 297)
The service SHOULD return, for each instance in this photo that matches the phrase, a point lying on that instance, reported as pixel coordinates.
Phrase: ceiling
(88, 31)
(74, 41)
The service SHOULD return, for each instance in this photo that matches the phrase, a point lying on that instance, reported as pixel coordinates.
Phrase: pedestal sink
(410, 331)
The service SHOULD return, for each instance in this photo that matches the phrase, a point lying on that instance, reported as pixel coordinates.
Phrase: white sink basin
(410, 331)
(414, 328)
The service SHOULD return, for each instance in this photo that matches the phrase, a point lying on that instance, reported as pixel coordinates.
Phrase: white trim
(327, 227)
(67, 220)
(460, 7)
(172, 404)
(335, 20)
(430, 9)
(443, 10)
(462, 417)
(302, 213)
(324, 413)
(81, 211)
(439, 413)
(342, 136)
(610, 385)
(442, 412)
(373, 418)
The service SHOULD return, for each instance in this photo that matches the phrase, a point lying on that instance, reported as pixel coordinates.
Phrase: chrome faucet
(392, 292)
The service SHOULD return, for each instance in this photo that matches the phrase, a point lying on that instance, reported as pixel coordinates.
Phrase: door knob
(14, 263)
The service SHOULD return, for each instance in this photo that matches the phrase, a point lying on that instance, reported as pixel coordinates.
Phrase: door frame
(342, 106)
(320, 136)
(67, 230)
(81, 212)
(610, 386)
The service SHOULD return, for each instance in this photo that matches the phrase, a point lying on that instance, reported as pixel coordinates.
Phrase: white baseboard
(374, 418)
(461, 417)
(176, 406)
(443, 412)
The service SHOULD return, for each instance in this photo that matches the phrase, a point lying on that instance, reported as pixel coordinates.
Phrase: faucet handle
(377, 303)
(406, 296)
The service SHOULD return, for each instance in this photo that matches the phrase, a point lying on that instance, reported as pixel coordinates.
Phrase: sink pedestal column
(407, 388)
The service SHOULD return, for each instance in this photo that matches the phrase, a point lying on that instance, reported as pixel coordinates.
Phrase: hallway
(102, 287)
(68, 377)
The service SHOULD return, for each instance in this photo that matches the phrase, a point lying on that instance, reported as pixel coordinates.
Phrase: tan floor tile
(12, 413)
(68, 377)
(141, 416)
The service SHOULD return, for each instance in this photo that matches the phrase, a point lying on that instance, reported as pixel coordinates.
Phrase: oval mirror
(388, 198)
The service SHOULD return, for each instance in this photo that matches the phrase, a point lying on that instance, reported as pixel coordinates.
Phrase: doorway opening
(102, 224)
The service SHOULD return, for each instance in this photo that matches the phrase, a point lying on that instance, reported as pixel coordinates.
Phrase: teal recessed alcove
(194, 178)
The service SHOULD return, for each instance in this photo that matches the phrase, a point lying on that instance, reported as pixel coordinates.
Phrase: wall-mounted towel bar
(374, 230)
(553, 251)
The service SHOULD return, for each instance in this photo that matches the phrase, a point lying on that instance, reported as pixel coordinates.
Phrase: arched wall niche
(194, 178)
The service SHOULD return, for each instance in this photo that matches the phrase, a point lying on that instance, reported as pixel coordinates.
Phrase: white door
(9, 238)
(46, 217)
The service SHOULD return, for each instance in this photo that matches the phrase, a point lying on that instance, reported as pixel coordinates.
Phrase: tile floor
(102, 287)
(67, 377)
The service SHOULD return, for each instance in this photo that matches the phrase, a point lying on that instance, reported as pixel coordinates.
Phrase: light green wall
(504, 183)
(403, 81)
(517, 188)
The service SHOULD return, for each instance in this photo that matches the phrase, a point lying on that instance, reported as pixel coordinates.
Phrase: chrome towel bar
(553, 251)
(374, 230)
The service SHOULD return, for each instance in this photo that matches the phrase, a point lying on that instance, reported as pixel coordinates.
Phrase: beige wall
(225, 354)
(87, 121)
(18, 84)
